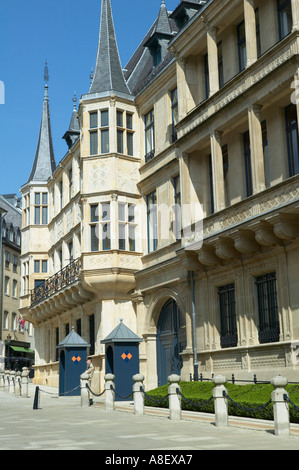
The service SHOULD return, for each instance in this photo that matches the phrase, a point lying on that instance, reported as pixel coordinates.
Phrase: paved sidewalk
(62, 424)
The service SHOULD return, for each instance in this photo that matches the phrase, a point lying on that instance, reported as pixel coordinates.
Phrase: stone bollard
(175, 408)
(12, 377)
(24, 381)
(109, 392)
(138, 394)
(18, 386)
(7, 376)
(280, 406)
(85, 393)
(220, 401)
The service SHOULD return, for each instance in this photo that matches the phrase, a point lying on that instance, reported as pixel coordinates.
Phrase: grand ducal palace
(175, 207)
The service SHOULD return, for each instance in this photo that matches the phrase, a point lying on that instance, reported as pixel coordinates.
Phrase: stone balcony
(259, 222)
(60, 292)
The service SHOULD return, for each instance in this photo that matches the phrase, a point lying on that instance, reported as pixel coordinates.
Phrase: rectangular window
(220, 64)
(119, 118)
(228, 334)
(106, 236)
(177, 208)
(130, 148)
(152, 229)
(70, 183)
(15, 263)
(129, 118)
(93, 120)
(94, 143)
(105, 118)
(92, 334)
(94, 240)
(211, 184)
(7, 259)
(5, 320)
(207, 76)
(14, 288)
(37, 215)
(149, 128)
(44, 266)
(6, 285)
(268, 311)
(266, 154)
(94, 217)
(225, 171)
(248, 171)
(242, 46)
(126, 226)
(94, 213)
(258, 32)
(120, 141)
(41, 208)
(105, 141)
(37, 266)
(174, 113)
(292, 138)
(285, 19)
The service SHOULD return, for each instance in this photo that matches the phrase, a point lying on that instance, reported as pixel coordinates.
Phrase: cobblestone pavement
(62, 424)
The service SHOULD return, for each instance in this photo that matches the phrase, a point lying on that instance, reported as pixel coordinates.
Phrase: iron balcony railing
(55, 283)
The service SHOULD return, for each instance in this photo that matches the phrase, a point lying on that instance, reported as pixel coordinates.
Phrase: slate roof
(108, 74)
(122, 334)
(14, 214)
(140, 69)
(72, 340)
(44, 162)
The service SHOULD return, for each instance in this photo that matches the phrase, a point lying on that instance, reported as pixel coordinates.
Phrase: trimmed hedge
(251, 397)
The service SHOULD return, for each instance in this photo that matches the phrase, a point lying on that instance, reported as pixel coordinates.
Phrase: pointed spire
(74, 129)
(163, 23)
(108, 75)
(44, 161)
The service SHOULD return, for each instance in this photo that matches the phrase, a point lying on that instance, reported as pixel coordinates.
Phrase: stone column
(138, 394)
(280, 406)
(175, 411)
(213, 59)
(109, 392)
(220, 402)
(250, 31)
(85, 394)
(25, 380)
(256, 148)
(217, 171)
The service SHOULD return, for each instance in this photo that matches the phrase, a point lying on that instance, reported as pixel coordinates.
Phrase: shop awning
(20, 349)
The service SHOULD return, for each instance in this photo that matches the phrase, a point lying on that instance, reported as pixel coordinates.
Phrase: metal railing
(55, 283)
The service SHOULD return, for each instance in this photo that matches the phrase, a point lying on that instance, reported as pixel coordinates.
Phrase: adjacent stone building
(175, 207)
(16, 334)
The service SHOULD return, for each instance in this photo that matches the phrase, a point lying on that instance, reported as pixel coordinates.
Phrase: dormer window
(157, 55)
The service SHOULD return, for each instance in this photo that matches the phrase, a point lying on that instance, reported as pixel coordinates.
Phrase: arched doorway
(171, 341)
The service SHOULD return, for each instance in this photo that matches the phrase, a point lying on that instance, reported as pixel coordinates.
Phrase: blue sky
(65, 33)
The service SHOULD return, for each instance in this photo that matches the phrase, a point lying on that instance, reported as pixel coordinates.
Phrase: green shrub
(250, 398)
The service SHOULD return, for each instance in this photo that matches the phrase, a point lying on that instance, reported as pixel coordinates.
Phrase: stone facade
(211, 130)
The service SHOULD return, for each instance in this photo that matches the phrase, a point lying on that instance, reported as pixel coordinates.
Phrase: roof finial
(91, 76)
(46, 74)
(75, 100)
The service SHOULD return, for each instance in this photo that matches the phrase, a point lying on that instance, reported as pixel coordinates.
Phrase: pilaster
(250, 31)
(217, 171)
(256, 147)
